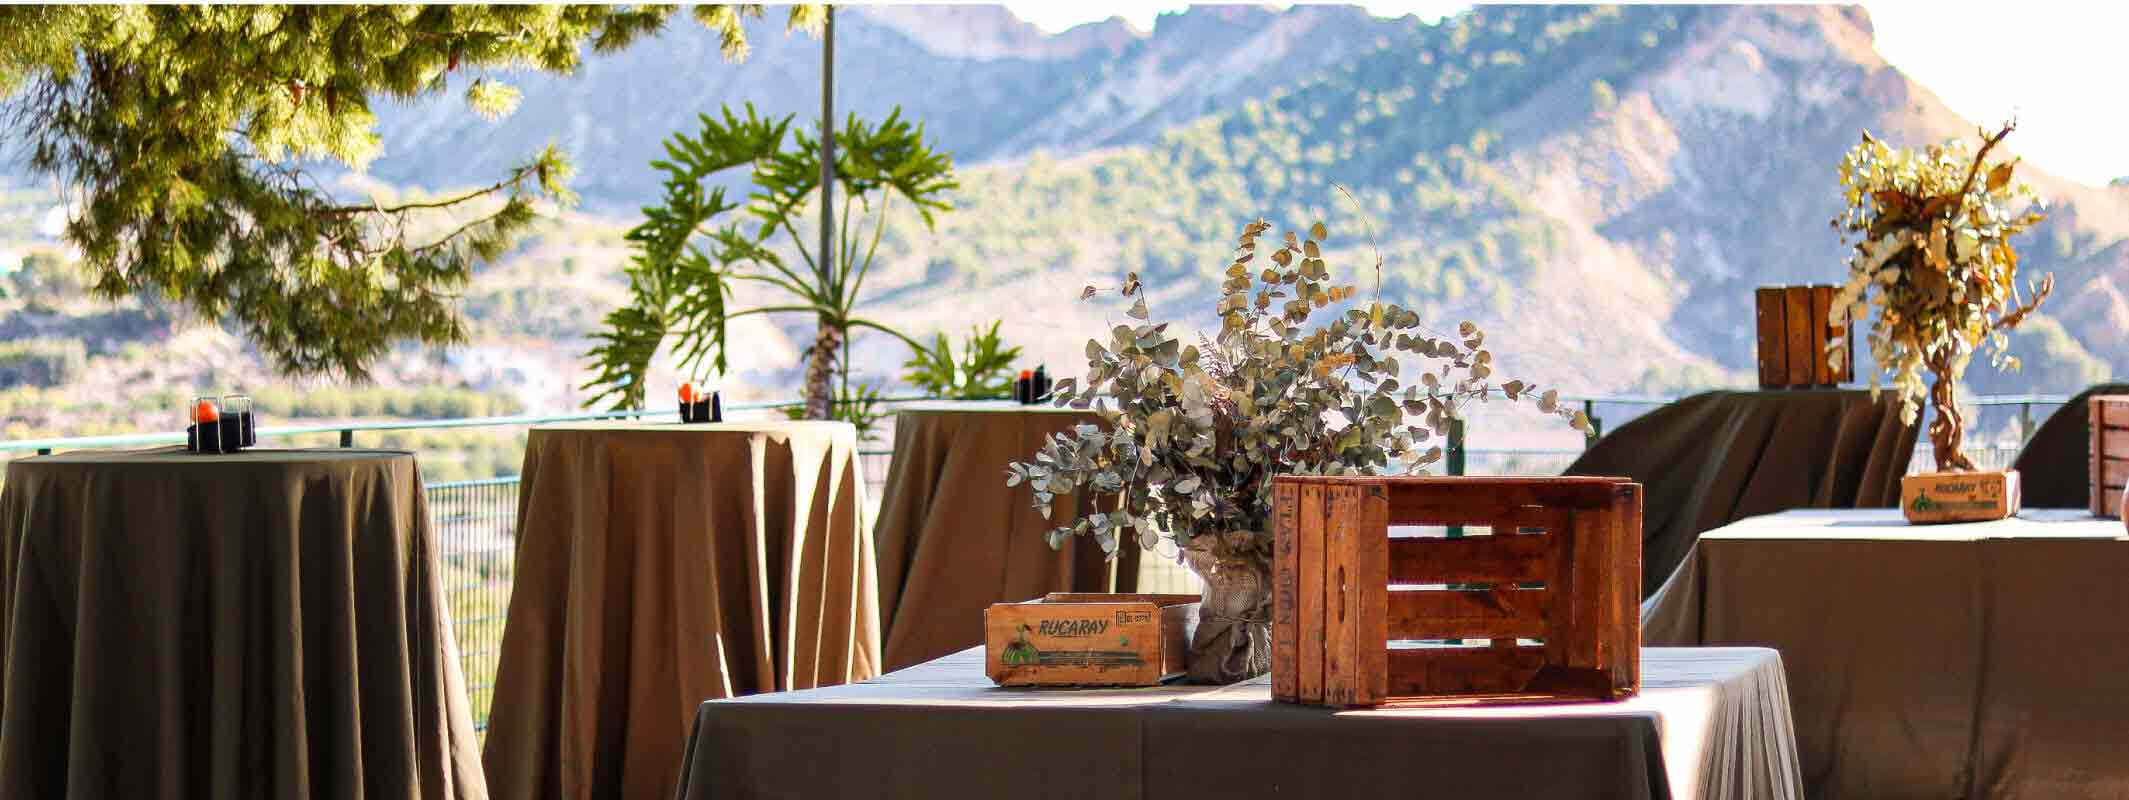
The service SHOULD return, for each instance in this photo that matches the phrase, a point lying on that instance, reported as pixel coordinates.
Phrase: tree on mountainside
(189, 139)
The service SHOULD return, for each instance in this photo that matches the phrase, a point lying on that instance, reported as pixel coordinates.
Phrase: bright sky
(2058, 65)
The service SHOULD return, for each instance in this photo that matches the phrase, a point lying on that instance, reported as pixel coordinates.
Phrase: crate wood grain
(1794, 332)
(1554, 588)
(2108, 418)
(1070, 639)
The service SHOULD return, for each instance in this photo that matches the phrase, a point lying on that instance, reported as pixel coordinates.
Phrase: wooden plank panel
(1822, 332)
(1462, 670)
(1420, 503)
(1559, 606)
(2110, 410)
(1286, 589)
(1797, 327)
(1340, 610)
(1624, 590)
(2113, 472)
(1500, 558)
(2111, 500)
(1773, 345)
(1585, 625)
(1449, 614)
(1310, 685)
(1372, 633)
(2095, 452)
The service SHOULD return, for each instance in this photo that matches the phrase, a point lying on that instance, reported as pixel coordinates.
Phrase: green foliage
(861, 405)
(45, 280)
(433, 402)
(1197, 431)
(42, 362)
(983, 369)
(1931, 232)
(679, 290)
(189, 134)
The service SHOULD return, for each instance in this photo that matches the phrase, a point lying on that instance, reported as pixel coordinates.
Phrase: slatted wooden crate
(1352, 606)
(2108, 417)
(1793, 334)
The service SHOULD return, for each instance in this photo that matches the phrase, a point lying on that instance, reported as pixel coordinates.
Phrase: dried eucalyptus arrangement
(1196, 431)
(1932, 236)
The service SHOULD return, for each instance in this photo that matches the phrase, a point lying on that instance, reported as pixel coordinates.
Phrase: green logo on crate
(1020, 651)
(1923, 503)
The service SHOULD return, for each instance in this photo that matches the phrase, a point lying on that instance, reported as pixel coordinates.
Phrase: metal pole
(1596, 425)
(347, 438)
(827, 141)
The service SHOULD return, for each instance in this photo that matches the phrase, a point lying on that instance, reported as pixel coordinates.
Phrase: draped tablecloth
(953, 539)
(265, 624)
(661, 564)
(1927, 661)
(1709, 723)
(1717, 457)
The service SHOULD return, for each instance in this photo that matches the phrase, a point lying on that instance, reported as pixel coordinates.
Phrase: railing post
(1596, 423)
(347, 437)
(2025, 422)
(1455, 465)
(44, 451)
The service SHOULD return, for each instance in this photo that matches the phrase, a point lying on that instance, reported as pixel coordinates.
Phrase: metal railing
(475, 521)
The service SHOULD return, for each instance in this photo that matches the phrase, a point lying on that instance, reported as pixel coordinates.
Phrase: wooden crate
(2108, 418)
(1959, 496)
(1351, 604)
(1089, 639)
(1793, 334)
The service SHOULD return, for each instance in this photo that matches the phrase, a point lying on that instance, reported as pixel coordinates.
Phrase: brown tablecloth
(1718, 457)
(2055, 466)
(1972, 660)
(1710, 723)
(661, 564)
(953, 539)
(262, 624)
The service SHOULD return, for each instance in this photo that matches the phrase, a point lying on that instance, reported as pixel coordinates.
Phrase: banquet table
(660, 564)
(1927, 661)
(1709, 723)
(953, 539)
(1718, 457)
(264, 624)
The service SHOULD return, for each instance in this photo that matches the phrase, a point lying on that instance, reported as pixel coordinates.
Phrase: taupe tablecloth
(1931, 661)
(2055, 466)
(953, 539)
(660, 564)
(263, 624)
(1718, 457)
(1709, 723)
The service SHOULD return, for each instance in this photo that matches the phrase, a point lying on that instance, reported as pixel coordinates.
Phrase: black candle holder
(231, 428)
(710, 409)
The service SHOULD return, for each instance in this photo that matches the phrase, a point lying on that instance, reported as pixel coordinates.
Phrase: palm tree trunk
(821, 366)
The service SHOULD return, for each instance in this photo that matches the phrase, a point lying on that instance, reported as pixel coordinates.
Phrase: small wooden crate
(2108, 418)
(1351, 604)
(1959, 496)
(1089, 639)
(1793, 334)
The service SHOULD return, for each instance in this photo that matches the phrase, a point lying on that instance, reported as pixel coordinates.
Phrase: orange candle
(687, 393)
(205, 412)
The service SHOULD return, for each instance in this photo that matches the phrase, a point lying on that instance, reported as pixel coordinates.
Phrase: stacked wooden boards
(2109, 420)
(1359, 617)
(1794, 332)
